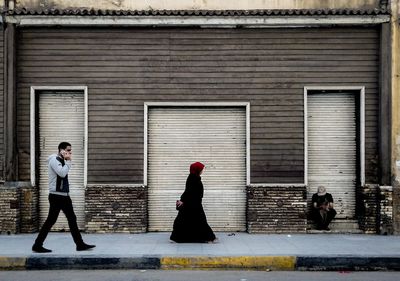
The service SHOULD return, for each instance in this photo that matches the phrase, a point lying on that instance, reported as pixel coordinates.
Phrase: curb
(348, 263)
(278, 263)
(275, 263)
(92, 263)
(7, 263)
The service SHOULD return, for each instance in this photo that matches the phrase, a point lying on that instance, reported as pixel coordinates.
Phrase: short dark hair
(63, 145)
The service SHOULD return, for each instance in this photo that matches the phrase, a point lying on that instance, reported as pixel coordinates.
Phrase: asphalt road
(189, 275)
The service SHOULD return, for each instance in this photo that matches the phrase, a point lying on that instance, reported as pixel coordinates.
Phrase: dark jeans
(323, 220)
(58, 203)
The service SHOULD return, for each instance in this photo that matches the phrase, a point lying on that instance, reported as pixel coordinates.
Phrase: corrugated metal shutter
(61, 118)
(332, 148)
(216, 137)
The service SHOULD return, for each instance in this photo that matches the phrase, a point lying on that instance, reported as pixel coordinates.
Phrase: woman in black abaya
(191, 223)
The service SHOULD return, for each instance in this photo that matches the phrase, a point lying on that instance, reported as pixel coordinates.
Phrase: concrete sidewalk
(233, 251)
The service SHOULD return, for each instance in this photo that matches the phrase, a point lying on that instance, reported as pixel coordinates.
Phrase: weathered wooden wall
(125, 67)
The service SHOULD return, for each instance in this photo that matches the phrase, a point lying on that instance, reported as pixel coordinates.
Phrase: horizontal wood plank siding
(125, 67)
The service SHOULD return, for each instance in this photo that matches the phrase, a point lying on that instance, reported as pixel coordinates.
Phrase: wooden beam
(203, 21)
(10, 105)
(385, 106)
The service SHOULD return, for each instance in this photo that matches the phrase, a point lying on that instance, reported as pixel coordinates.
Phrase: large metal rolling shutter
(332, 148)
(61, 118)
(216, 137)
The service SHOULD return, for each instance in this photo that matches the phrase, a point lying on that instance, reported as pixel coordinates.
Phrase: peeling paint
(47, 4)
(117, 3)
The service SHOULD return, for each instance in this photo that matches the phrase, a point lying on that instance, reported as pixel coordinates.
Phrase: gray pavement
(233, 251)
(194, 275)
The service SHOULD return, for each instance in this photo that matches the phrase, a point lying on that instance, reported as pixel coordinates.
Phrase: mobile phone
(62, 152)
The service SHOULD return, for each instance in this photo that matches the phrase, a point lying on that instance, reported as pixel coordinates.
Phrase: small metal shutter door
(61, 118)
(213, 136)
(332, 149)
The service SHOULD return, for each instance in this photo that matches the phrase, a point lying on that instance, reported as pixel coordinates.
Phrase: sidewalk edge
(12, 263)
(347, 263)
(278, 263)
(92, 262)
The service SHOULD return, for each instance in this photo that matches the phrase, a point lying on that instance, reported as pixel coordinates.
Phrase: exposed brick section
(276, 209)
(9, 210)
(29, 204)
(116, 208)
(386, 210)
(396, 207)
(368, 208)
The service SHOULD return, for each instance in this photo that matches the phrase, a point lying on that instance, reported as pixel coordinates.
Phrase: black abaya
(191, 223)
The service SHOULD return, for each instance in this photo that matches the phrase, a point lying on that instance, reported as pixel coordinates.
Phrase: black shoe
(84, 247)
(40, 249)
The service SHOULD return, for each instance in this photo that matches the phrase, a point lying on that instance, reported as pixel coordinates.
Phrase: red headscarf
(196, 168)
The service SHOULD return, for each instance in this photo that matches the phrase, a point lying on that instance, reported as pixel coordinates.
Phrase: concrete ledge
(347, 263)
(276, 263)
(51, 262)
(284, 263)
(9, 263)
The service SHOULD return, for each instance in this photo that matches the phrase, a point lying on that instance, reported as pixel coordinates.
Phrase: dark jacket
(194, 190)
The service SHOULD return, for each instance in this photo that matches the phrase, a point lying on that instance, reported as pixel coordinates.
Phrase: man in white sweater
(59, 166)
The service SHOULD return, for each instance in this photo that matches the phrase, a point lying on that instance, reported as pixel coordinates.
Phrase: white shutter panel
(332, 148)
(216, 137)
(61, 118)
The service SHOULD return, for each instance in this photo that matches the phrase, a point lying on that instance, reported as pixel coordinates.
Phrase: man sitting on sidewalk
(322, 208)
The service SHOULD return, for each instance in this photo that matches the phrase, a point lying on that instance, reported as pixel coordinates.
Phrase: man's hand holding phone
(66, 154)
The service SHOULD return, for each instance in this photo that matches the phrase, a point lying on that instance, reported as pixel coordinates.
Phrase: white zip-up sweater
(56, 168)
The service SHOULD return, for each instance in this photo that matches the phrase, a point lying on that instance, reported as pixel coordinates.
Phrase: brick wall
(386, 210)
(375, 209)
(9, 209)
(396, 207)
(270, 209)
(18, 208)
(276, 209)
(368, 208)
(29, 208)
(116, 208)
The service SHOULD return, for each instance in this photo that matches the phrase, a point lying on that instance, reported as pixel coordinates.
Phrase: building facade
(275, 99)
(395, 8)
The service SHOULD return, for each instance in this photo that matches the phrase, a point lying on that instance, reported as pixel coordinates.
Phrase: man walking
(59, 166)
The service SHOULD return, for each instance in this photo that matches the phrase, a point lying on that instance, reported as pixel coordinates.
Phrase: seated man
(322, 208)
